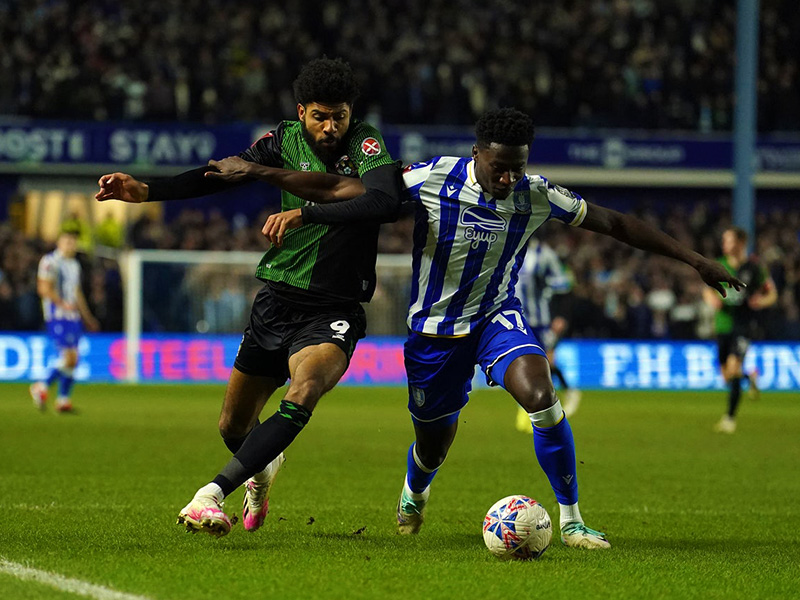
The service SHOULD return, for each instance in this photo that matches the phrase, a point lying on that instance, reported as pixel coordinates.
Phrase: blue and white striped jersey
(65, 273)
(468, 247)
(540, 276)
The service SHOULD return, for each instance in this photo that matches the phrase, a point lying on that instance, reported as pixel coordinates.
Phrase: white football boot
(410, 511)
(578, 535)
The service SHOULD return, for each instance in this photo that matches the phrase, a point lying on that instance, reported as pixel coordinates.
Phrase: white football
(517, 528)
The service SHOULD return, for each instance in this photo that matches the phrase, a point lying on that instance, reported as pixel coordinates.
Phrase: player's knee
(431, 458)
(306, 393)
(227, 430)
(230, 428)
(537, 397)
(70, 360)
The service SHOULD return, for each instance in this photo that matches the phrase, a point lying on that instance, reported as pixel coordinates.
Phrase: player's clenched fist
(121, 186)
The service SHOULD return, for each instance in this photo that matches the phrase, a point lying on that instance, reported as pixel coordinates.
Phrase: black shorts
(732, 344)
(276, 331)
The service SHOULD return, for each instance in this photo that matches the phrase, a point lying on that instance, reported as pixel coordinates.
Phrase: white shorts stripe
(507, 352)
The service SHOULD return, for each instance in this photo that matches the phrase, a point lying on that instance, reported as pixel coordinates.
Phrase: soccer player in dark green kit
(307, 318)
(735, 314)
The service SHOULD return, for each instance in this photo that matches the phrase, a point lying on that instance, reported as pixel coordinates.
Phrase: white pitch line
(65, 584)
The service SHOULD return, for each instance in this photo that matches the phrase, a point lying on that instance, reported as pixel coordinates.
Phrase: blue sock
(65, 385)
(555, 450)
(418, 477)
(54, 374)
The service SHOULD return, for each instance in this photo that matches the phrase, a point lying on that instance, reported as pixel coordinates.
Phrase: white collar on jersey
(472, 181)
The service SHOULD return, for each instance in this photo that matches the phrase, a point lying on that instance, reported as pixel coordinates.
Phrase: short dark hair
(739, 233)
(506, 126)
(327, 80)
(70, 229)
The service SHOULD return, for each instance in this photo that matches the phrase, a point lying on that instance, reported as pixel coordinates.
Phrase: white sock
(570, 513)
(211, 489)
(423, 495)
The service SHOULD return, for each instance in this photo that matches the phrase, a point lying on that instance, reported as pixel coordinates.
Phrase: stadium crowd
(593, 63)
(617, 291)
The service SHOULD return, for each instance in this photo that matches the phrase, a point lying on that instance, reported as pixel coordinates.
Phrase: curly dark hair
(506, 126)
(327, 80)
(739, 233)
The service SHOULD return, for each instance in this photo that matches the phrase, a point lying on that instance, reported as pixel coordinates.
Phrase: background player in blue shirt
(474, 218)
(63, 305)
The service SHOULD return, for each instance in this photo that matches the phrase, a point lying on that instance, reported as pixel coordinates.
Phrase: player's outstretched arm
(315, 187)
(189, 184)
(639, 234)
(121, 186)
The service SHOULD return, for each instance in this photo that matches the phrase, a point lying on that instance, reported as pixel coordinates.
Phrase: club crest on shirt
(346, 166)
(418, 395)
(522, 202)
(480, 225)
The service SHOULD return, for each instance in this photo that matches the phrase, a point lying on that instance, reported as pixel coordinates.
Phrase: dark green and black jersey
(321, 265)
(735, 315)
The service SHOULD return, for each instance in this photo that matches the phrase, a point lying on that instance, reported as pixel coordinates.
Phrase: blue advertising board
(58, 142)
(588, 364)
(31, 142)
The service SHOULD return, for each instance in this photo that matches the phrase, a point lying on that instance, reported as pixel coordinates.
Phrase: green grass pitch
(690, 513)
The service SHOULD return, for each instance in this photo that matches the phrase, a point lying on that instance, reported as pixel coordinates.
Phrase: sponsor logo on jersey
(522, 202)
(346, 166)
(481, 224)
(371, 146)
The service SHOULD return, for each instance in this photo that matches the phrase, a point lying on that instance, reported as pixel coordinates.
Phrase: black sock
(733, 397)
(560, 376)
(263, 445)
(234, 444)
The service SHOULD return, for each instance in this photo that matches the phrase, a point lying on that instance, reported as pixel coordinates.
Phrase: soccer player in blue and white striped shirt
(473, 220)
(63, 304)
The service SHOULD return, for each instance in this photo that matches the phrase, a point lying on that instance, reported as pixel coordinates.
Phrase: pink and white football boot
(204, 513)
(256, 495)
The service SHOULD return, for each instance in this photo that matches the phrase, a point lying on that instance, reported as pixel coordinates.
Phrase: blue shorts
(65, 334)
(440, 370)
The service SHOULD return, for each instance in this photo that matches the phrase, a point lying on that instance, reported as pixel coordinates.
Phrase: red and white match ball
(517, 528)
